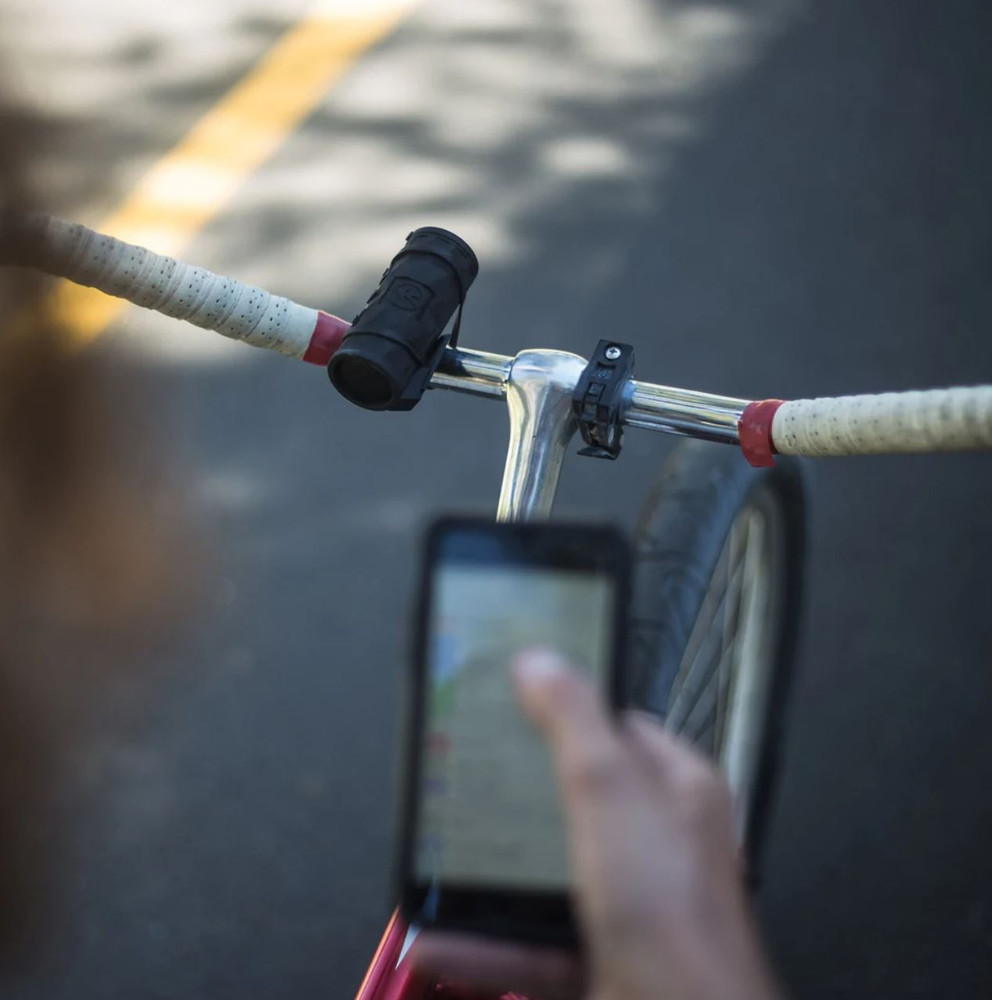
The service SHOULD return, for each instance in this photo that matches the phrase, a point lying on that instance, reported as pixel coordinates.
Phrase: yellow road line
(193, 182)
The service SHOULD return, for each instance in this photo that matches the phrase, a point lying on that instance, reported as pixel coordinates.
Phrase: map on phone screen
(489, 810)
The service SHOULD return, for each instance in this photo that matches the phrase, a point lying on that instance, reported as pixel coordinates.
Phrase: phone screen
(489, 811)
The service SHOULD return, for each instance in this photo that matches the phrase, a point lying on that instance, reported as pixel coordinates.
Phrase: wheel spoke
(721, 604)
(712, 601)
(741, 545)
(748, 703)
(704, 732)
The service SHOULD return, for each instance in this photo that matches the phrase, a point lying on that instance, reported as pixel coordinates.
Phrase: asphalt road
(769, 198)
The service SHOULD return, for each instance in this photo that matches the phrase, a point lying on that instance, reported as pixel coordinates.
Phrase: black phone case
(534, 917)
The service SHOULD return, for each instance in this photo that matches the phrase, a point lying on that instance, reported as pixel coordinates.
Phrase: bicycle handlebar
(932, 420)
(225, 305)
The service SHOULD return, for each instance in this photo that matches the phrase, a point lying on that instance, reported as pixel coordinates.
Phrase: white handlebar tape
(933, 420)
(225, 305)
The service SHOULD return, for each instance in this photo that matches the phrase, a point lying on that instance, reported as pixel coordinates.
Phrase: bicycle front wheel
(717, 594)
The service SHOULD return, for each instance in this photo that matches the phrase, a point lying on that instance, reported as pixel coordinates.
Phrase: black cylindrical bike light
(393, 347)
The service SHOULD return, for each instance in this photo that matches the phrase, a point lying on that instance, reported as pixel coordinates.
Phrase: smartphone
(483, 846)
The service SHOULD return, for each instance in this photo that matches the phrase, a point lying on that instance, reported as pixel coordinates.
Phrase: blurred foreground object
(90, 551)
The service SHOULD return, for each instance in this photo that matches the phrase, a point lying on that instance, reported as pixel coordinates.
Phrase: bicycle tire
(681, 535)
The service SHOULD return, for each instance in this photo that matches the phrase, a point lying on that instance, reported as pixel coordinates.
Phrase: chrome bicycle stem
(539, 398)
(538, 387)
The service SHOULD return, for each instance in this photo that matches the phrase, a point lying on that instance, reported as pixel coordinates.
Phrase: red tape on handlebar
(755, 432)
(328, 332)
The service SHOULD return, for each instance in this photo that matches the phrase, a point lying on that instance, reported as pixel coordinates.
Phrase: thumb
(563, 704)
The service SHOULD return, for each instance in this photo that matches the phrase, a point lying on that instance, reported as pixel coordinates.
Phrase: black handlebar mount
(598, 398)
(395, 343)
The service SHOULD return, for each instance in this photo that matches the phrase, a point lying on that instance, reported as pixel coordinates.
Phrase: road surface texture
(768, 198)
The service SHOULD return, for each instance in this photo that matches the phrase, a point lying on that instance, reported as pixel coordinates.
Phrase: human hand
(657, 880)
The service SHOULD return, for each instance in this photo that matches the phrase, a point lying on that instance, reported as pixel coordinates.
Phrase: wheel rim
(720, 695)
